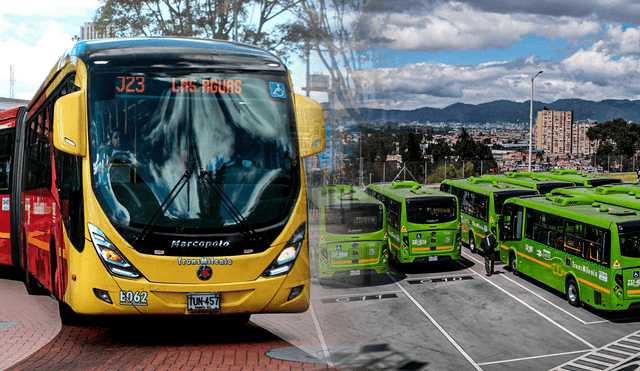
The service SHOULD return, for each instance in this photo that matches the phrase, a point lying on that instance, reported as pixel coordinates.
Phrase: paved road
(419, 317)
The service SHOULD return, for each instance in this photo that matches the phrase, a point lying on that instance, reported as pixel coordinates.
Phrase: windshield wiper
(184, 179)
(233, 209)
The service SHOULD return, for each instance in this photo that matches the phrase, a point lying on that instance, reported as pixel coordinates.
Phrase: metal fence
(361, 174)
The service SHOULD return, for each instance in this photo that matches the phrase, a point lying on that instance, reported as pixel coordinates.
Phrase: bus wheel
(513, 264)
(68, 317)
(573, 295)
(472, 243)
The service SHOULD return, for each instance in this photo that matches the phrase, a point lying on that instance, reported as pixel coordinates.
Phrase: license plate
(354, 273)
(433, 258)
(203, 301)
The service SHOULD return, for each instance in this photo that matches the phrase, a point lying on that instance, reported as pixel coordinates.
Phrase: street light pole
(531, 119)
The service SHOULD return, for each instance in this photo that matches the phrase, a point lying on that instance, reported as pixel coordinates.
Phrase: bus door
(509, 227)
(629, 234)
(5, 175)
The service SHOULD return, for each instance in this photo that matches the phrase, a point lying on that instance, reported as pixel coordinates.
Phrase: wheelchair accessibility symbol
(276, 90)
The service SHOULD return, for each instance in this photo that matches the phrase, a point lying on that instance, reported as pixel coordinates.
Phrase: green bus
(573, 176)
(352, 233)
(623, 195)
(541, 184)
(588, 250)
(423, 223)
(481, 202)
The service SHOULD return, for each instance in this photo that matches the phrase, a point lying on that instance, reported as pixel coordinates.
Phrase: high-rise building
(88, 31)
(555, 132)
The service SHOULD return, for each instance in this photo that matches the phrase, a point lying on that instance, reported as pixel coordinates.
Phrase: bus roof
(340, 194)
(8, 118)
(622, 195)
(406, 190)
(579, 207)
(537, 183)
(180, 52)
(573, 176)
(485, 185)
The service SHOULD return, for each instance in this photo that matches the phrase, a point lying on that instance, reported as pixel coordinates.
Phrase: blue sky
(425, 52)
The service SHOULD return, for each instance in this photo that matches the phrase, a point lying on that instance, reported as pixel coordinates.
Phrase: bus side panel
(39, 214)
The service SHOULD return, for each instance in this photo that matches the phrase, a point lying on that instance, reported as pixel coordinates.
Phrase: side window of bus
(539, 229)
(445, 187)
(594, 244)
(574, 242)
(556, 233)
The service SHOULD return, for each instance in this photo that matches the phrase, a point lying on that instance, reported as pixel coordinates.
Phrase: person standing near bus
(488, 246)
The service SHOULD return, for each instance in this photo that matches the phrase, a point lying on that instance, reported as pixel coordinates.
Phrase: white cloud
(456, 26)
(49, 8)
(622, 41)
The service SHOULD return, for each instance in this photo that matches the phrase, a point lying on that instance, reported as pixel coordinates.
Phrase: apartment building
(555, 132)
(88, 31)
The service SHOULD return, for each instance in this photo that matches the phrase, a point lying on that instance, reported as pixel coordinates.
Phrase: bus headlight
(112, 258)
(288, 255)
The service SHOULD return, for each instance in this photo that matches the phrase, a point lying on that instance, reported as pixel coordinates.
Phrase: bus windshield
(354, 218)
(193, 152)
(500, 197)
(431, 210)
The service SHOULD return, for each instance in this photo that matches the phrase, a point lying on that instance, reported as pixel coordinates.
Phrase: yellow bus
(165, 176)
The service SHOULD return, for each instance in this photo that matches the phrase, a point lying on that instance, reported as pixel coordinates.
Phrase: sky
(425, 52)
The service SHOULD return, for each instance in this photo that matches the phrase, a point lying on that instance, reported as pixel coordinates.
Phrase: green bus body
(481, 202)
(573, 176)
(352, 236)
(423, 224)
(588, 250)
(623, 195)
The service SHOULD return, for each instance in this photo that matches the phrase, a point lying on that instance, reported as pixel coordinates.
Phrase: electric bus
(423, 223)
(586, 249)
(165, 176)
(7, 139)
(481, 202)
(352, 234)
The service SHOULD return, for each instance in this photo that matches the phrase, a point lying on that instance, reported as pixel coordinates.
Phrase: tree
(327, 27)
(479, 154)
(617, 137)
(217, 19)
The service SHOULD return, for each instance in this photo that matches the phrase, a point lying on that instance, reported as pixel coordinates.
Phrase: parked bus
(481, 202)
(623, 195)
(7, 139)
(588, 250)
(573, 176)
(164, 176)
(352, 232)
(423, 224)
(541, 184)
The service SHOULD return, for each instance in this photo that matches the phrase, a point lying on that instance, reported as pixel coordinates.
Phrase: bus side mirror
(70, 124)
(310, 122)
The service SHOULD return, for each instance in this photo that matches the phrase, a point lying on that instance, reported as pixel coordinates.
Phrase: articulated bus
(7, 138)
(588, 250)
(353, 232)
(481, 202)
(423, 224)
(573, 176)
(541, 184)
(164, 176)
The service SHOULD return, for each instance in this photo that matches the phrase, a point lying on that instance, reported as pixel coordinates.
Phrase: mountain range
(501, 111)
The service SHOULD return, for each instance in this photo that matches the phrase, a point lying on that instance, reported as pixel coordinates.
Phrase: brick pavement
(27, 323)
(32, 338)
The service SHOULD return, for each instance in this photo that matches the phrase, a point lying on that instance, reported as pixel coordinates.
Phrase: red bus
(7, 139)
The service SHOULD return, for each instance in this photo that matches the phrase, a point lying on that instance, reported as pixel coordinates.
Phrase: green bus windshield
(353, 218)
(431, 210)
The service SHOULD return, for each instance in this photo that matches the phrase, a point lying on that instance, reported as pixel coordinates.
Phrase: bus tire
(513, 264)
(472, 243)
(573, 293)
(68, 317)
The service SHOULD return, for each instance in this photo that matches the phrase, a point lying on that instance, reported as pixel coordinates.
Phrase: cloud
(48, 8)
(457, 26)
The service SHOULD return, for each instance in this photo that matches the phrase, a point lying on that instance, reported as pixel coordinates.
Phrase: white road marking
(323, 343)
